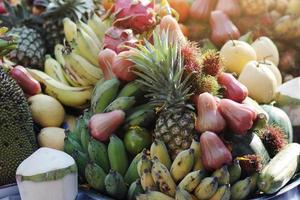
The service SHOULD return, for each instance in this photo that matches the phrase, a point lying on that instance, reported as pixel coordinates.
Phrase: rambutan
(191, 54)
(211, 63)
(250, 164)
(209, 84)
(273, 138)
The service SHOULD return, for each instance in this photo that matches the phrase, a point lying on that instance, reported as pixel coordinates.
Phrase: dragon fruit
(119, 39)
(137, 15)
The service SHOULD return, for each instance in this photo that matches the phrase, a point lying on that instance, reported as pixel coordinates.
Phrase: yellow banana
(58, 52)
(207, 188)
(198, 165)
(182, 164)
(86, 47)
(143, 164)
(74, 76)
(83, 68)
(67, 95)
(192, 180)
(222, 175)
(70, 30)
(163, 178)
(159, 149)
(89, 31)
(147, 181)
(154, 195)
(182, 194)
(241, 189)
(98, 25)
(223, 193)
(54, 69)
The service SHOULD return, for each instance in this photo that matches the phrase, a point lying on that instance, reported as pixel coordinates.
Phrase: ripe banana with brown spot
(223, 193)
(198, 165)
(163, 178)
(241, 189)
(192, 180)
(147, 181)
(182, 194)
(222, 175)
(54, 69)
(144, 164)
(182, 164)
(154, 195)
(207, 188)
(159, 149)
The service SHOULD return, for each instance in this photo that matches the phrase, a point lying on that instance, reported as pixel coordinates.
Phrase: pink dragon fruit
(119, 39)
(137, 15)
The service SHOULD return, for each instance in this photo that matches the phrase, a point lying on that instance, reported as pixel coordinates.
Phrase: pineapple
(31, 46)
(160, 69)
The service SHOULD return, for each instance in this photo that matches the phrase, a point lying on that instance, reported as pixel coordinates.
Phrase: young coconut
(47, 174)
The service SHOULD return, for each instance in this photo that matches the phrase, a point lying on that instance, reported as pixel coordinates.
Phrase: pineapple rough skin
(17, 138)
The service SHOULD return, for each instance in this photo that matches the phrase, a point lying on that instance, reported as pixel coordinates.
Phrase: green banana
(142, 118)
(198, 165)
(71, 145)
(144, 163)
(241, 189)
(89, 31)
(70, 30)
(154, 195)
(81, 160)
(115, 185)
(95, 176)
(163, 178)
(182, 165)
(132, 173)
(134, 190)
(207, 188)
(117, 155)
(254, 180)
(146, 106)
(98, 154)
(235, 171)
(85, 138)
(147, 181)
(158, 149)
(182, 194)
(104, 93)
(223, 193)
(98, 25)
(131, 89)
(192, 180)
(121, 103)
(222, 175)
(80, 123)
(58, 52)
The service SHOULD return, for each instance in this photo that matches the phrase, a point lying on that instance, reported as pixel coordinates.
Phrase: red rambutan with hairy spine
(191, 54)
(211, 63)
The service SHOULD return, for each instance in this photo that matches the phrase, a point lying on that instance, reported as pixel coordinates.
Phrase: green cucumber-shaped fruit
(81, 160)
(132, 172)
(115, 185)
(280, 118)
(280, 169)
(71, 145)
(98, 154)
(103, 94)
(248, 144)
(134, 190)
(95, 176)
(235, 171)
(117, 155)
(142, 118)
(131, 89)
(121, 103)
(85, 138)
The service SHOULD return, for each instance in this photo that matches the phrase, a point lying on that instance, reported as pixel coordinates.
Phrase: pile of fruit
(120, 102)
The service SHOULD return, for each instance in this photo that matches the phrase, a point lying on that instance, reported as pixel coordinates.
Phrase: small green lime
(136, 139)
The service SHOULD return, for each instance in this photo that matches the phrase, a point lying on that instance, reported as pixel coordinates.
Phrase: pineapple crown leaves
(160, 68)
(74, 9)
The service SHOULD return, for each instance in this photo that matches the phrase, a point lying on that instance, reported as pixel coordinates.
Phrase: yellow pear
(260, 81)
(236, 54)
(266, 50)
(275, 71)
(46, 110)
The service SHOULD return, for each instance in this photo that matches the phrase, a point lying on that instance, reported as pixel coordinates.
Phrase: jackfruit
(17, 137)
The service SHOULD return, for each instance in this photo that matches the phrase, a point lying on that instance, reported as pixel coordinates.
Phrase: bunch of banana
(185, 178)
(7, 43)
(105, 167)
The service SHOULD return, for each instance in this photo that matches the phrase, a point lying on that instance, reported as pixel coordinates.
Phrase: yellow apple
(52, 137)
(236, 54)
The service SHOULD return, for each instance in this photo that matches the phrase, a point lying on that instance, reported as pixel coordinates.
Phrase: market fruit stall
(149, 99)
